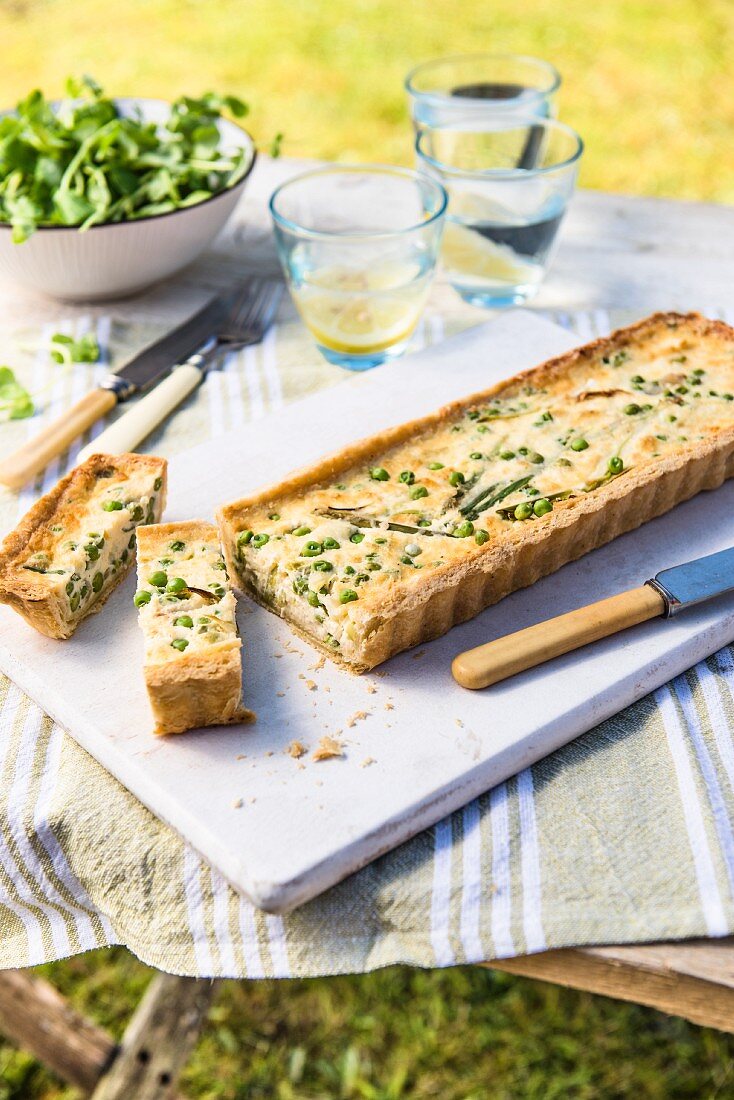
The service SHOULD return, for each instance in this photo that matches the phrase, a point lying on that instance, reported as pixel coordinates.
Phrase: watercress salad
(81, 163)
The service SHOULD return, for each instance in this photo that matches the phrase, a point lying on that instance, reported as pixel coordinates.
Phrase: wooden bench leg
(158, 1040)
(37, 1018)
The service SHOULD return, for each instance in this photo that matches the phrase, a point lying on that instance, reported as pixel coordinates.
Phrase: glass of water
(481, 86)
(359, 247)
(509, 185)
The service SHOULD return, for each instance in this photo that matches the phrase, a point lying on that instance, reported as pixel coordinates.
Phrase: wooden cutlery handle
(34, 456)
(494, 661)
(146, 414)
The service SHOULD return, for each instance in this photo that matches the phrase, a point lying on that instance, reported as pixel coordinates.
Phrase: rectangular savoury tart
(77, 542)
(193, 669)
(396, 539)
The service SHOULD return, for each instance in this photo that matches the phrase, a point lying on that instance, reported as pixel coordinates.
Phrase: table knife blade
(695, 581)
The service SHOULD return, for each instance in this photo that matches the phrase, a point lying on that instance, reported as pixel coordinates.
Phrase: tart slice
(193, 669)
(77, 543)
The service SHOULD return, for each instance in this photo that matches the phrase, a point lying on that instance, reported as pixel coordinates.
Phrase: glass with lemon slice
(509, 185)
(359, 249)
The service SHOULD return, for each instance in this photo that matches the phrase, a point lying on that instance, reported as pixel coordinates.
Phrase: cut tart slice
(77, 543)
(193, 668)
(397, 538)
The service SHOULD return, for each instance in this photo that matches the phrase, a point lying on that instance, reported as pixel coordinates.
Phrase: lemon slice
(468, 254)
(362, 324)
(359, 311)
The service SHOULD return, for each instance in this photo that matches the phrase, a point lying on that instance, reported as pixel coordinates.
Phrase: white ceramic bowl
(111, 261)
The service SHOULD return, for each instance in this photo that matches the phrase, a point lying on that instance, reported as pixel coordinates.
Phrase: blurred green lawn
(647, 82)
(649, 86)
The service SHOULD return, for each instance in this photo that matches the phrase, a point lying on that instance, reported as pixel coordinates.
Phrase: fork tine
(274, 294)
(243, 306)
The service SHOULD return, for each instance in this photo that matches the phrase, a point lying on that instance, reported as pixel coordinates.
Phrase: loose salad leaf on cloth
(15, 401)
(66, 349)
(82, 163)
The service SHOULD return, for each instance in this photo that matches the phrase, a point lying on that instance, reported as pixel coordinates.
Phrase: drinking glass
(479, 87)
(509, 185)
(359, 247)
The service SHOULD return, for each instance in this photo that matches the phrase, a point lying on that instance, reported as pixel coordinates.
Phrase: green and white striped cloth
(625, 835)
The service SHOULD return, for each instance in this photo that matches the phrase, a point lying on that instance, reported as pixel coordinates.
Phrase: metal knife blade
(693, 582)
(157, 359)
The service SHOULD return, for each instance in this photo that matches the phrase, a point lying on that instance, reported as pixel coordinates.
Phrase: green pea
(373, 566)
(112, 506)
(178, 545)
(312, 550)
(180, 644)
(418, 491)
(632, 409)
(475, 455)
(564, 462)
(536, 458)
(523, 451)
(331, 544)
(313, 599)
(413, 549)
(579, 444)
(542, 507)
(69, 588)
(92, 552)
(97, 582)
(456, 478)
(424, 523)
(356, 537)
(616, 465)
(407, 477)
(348, 595)
(301, 531)
(331, 641)
(507, 455)
(323, 566)
(217, 589)
(524, 510)
(244, 537)
(637, 378)
(74, 602)
(274, 516)
(435, 465)
(381, 542)
(178, 584)
(349, 570)
(159, 579)
(260, 540)
(681, 389)
(480, 537)
(184, 620)
(464, 530)
(141, 598)
(379, 473)
(699, 372)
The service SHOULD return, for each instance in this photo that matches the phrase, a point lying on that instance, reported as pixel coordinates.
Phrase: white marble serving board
(283, 830)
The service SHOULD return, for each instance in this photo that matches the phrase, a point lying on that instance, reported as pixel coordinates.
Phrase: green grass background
(649, 85)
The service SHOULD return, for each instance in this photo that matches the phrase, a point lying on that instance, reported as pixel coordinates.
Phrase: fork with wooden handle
(248, 323)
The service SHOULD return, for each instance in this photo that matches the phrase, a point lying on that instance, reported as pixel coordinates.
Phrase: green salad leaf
(15, 401)
(82, 163)
(65, 349)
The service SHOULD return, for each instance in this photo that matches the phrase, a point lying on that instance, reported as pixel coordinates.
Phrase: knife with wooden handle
(668, 593)
(142, 372)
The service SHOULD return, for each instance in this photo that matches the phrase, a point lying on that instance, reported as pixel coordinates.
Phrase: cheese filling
(184, 599)
(328, 559)
(91, 546)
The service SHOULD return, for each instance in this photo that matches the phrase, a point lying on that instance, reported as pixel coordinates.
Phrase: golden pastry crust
(28, 592)
(201, 687)
(428, 605)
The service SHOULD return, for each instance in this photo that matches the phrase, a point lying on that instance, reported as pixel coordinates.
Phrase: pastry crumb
(358, 716)
(328, 747)
(253, 799)
(367, 761)
(241, 756)
(389, 705)
(311, 685)
(269, 752)
(459, 722)
(296, 749)
(237, 804)
(417, 656)
(280, 694)
(319, 664)
(371, 688)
